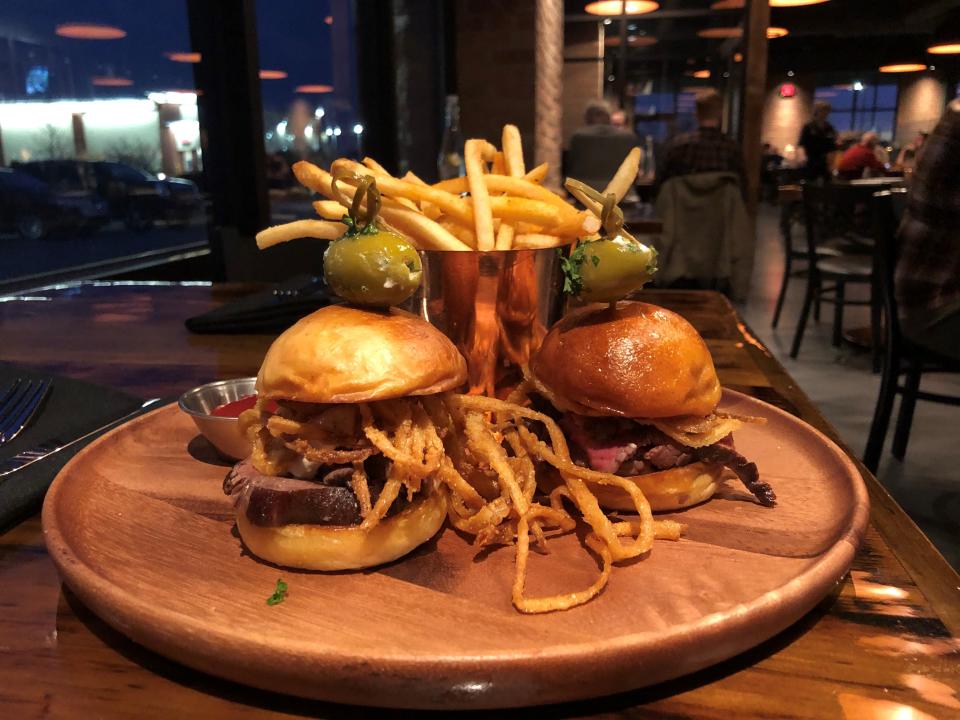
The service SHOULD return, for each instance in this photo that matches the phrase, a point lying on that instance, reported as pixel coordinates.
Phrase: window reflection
(99, 134)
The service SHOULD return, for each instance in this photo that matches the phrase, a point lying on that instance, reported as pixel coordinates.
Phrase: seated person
(598, 148)
(907, 159)
(928, 270)
(859, 158)
(706, 149)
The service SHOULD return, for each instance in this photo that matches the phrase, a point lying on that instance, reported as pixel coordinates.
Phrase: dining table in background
(884, 643)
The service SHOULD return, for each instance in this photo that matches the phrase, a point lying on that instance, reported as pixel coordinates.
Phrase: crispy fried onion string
(480, 453)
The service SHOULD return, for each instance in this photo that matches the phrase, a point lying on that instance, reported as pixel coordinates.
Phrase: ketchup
(233, 409)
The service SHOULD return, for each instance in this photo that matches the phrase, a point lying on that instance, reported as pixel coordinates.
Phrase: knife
(51, 447)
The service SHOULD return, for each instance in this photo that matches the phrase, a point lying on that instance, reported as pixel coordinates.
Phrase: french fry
(505, 237)
(622, 180)
(313, 177)
(428, 209)
(520, 187)
(320, 229)
(475, 152)
(516, 209)
(329, 209)
(533, 241)
(463, 234)
(375, 166)
(538, 173)
(512, 151)
(427, 234)
(449, 204)
(423, 232)
(583, 224)
(498, 166)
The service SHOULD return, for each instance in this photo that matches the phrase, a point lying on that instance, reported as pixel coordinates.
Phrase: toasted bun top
(343, 354)
(632, 360)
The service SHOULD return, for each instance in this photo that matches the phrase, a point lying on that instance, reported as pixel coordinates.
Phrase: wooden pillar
(548, 112)
(754, 87)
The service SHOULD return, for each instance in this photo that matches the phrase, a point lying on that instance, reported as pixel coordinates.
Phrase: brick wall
(783, 118)
(922, 99)
(495, 68)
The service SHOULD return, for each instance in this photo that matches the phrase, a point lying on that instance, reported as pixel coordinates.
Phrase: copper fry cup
(495, 306)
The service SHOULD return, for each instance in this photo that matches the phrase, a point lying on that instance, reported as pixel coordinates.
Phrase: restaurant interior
(193, 194)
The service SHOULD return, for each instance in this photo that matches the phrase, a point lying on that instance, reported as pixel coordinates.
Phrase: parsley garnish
(279, 593)
(572, 280)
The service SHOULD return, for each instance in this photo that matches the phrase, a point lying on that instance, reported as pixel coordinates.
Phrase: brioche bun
(342, 354)
(631, 360)
(666, 490)
(339, 547)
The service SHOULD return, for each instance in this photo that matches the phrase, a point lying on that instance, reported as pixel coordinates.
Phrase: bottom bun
(665, 490)
(338, 547)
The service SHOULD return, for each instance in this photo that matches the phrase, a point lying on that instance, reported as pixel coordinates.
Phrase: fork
(18, 403)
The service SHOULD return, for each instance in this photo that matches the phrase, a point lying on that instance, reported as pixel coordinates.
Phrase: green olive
(379, 268)
(612, 269)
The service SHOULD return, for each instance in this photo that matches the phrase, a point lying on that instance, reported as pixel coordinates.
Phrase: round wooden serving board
(141, 531)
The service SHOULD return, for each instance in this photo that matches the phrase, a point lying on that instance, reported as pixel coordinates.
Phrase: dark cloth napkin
(71, 409)
(267, 311)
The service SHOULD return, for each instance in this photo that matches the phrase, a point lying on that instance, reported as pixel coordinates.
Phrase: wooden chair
(901, 355)
(828, 212)
(790, 200)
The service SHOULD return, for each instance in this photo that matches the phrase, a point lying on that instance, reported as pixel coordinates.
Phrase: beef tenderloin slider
(637, 392)
(335, 391)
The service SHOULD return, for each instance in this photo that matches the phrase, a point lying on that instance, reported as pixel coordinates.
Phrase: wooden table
(884, 644)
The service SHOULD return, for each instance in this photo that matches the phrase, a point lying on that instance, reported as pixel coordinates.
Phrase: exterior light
(357, 129)
(110, 81)
(272, 74)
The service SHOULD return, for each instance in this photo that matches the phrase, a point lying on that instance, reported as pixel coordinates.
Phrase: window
(860, 107)
(307, 82)
(101, 113)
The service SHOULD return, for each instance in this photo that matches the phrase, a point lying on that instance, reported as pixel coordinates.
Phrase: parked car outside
(134, 196)
(31, 208)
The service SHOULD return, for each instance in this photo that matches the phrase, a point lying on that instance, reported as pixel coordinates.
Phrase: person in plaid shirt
(928, 269)
(706, 149)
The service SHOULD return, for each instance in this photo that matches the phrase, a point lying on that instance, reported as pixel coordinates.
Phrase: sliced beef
(272, 501)
(624, 447)
(745, 470)
(664, 457)
(605, 444)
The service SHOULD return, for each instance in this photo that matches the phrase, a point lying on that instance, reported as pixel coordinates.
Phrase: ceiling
(836, 37)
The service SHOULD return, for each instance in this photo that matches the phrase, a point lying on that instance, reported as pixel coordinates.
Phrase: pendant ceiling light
(618, 7)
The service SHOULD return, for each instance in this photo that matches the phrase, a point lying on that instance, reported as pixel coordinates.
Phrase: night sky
(292, 36)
